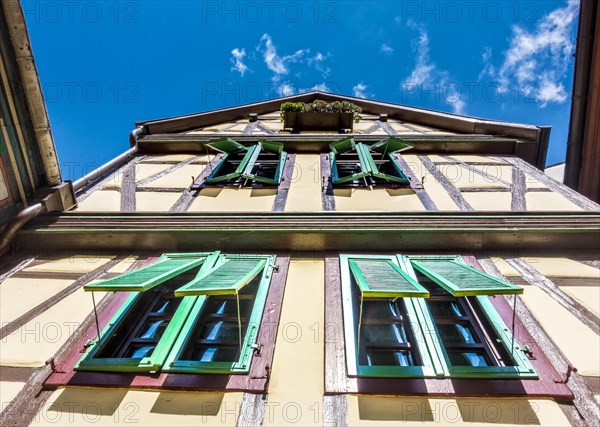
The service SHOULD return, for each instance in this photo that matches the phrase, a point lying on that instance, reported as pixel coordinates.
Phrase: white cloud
(424, 68)
(428, 78)
(360, 90)
(278, 64)
(318, 61)
(238, 61)
(321, 87)
(536, 61)
(386, 49)
(285, 89)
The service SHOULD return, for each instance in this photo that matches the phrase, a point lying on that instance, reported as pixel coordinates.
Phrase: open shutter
(147, 277)
(390, 145)
(226, 146)
(248, 161)
(382, 278)
(381, 146)
(271, 147)
(462, 280)
(343, 145)
(226, 279)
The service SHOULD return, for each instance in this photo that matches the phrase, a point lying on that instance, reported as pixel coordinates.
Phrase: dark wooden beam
(128, 199)
(518, 190)
(415, 184)
(284, 186)
(569, 194)
(327, 197)
(452, 191)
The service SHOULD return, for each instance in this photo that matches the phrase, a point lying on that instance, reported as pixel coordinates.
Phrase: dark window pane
(390, 358)
(468, 358)
(216, 335)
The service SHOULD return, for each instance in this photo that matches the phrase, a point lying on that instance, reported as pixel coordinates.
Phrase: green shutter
(272, 147)
(226, 146)
(335, 174)
(366, 158)
(147, 277)
(343, 145)
(367, 163)
(381, 278)
(460, 279)
(390, 145)
(248, 161)
(226, 279)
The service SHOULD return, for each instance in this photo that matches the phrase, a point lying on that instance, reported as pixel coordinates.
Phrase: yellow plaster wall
(103, 407)
(378, 199)
(8, 391)
(468, 158)
(296, 386)
(73, 264)
(417, 411)
(304, 194)
(562, 267)
(101, 201)
(168, 158)
(587, 294)
(181, 177)
(38, 340)
(546, 201)
(467, 177)
(489, 201)
(505, 268)
(18, 296)
(122, 266)
(146, 201)
(146, 170)
(232, 200)
(578, 342)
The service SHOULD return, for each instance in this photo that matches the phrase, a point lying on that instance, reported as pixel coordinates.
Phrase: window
(358, 164)
(258, 164)
(424, 316)
(188, 313)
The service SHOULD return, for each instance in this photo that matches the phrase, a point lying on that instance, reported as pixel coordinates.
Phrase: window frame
(429, 367)
(437, 364)
(180, 325)
(251, 157)
(242, 366)
(366, 161)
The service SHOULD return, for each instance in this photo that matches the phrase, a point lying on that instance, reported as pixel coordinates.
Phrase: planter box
(337, 122)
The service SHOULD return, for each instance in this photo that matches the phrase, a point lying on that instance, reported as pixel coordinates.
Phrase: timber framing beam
(317, 232)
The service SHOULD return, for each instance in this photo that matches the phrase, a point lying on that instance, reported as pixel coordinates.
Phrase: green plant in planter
(320, 106)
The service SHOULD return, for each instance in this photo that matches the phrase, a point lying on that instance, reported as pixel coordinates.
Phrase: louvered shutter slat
(381, 278)
(147, 277)
(461, 280)
(227, 279)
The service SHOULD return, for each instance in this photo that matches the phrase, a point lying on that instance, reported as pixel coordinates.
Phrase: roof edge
(38, 114)
(454, 122)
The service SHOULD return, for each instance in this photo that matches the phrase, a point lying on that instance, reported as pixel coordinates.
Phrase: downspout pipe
(13, 227)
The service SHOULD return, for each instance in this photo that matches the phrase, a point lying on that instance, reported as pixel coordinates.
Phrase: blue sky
(105, 64)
